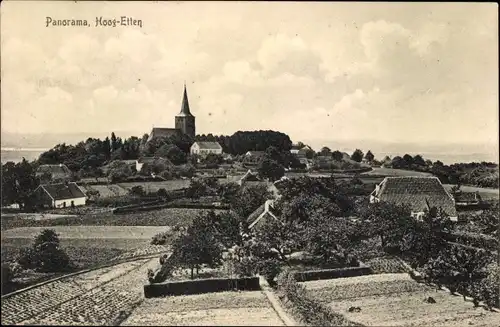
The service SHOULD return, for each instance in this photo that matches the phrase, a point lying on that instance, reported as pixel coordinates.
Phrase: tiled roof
(260, 214)
(466, 197)
(417, 192)
(63, 191)
(163, 132)
(256, 153)
(209, 145)
(250, 177)
(54, 169)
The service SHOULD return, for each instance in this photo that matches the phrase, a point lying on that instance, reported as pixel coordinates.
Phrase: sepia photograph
(251, 163)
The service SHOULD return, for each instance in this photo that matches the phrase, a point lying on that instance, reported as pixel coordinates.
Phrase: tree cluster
(244, 141)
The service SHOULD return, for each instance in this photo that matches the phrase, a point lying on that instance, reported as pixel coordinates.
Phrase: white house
(204, 148)
(62, 195)
(420, 193)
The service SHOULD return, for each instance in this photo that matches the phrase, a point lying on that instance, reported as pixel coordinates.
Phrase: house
(204, 148)
(254, 156)
(249, 176)
(463, 199)
(139, 163)
(48, 173)
(300, 151)
(420, 193)
(61, 195)
(261, 215)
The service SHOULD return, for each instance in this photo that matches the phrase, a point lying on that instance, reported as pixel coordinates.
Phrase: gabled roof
(209, 145)
(256, 153)
(261, 213)
(163, 132)
(250, 177)
(185, 111)
(418, 192)
(467, 197)
(63, 191)
(60, 169)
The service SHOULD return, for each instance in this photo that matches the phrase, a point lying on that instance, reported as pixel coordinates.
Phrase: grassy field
(163, 217)
(397, 300)
(212, 309)
(394, 172)
(155, 186)
(485, 193)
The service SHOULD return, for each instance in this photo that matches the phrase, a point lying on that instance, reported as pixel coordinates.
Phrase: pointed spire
(185, 104)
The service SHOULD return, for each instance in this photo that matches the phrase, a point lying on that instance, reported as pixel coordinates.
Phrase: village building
(184, 123)
(253, 157)
(61, 195)
(53, 173)
(204, 148)
(249, 176)
(465, 199)
(420, 193)
(259, 217)
(300, 150)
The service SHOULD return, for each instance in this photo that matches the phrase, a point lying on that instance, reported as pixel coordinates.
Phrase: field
(397, 300)
(155, 186)
(395, 172)
(163, 217)
(86, 245)
(215, 309)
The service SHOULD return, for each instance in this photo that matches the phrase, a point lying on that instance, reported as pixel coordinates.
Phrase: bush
(309, 310)
(45, 254)
(7, 276)
(269, 268)
(162, 238)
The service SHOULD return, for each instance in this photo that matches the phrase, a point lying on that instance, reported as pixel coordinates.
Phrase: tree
(198, 245)
(137, 191)
(488, 220)
(369, 156)
(172, 152)
(18, 183)
(357, 155)
(45, 254)
(228, 191)
(419, 161)
(337, 155)
(407, 160)
(458, 268)
(270, 169)
(325, 151)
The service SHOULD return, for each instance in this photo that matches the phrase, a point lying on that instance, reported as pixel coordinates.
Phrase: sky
(389, 72)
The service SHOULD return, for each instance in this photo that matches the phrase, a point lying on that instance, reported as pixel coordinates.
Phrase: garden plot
(84, 232)
(397, 300)
(172, 185)
(216, 309)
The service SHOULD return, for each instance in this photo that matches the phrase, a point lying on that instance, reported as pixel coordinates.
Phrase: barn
(62, 195)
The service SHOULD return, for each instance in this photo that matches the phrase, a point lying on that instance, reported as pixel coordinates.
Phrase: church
(184, 123)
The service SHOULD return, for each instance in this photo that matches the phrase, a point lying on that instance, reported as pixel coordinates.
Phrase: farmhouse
(300, 150)
(249, 176)
(467, 198)
(49, 173)
(421, 193)
(60, 195)
(204, 148)
(261, 214)
(253, 157)
(184, 123)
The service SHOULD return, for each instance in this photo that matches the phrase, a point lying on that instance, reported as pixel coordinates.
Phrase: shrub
(269, 268)
(7, 276)
(309, 310)
(162, 238)
(45, 254)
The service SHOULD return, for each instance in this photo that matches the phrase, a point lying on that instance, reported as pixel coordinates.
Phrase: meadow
(397, 300)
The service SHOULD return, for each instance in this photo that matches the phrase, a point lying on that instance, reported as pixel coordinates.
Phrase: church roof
(163, 132)
(185, 105)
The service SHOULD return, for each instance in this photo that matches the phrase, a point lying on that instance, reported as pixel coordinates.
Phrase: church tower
(185, 121)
